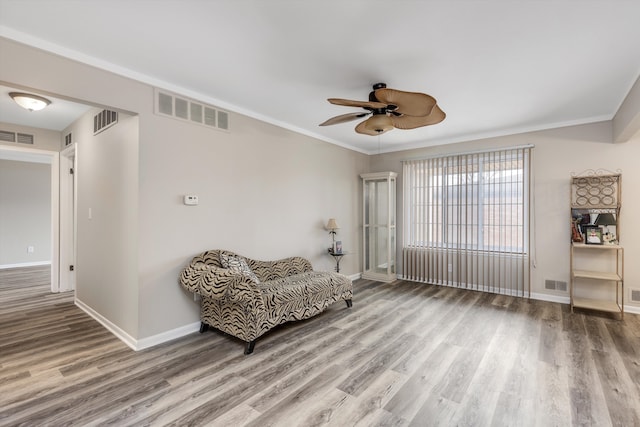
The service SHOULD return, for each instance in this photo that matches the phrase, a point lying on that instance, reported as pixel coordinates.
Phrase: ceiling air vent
(67, 139)
(104, 120)
(189, 110)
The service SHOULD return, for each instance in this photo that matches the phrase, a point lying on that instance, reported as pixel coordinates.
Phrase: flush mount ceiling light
(29, 101)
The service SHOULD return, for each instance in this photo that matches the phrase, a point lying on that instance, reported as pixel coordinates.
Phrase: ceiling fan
(390, 108)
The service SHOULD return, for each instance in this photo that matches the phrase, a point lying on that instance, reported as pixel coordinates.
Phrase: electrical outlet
(30, 249)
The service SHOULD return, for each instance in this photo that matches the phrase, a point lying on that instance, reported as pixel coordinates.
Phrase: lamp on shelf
(332, 226)
(28, 101)
(606, 219)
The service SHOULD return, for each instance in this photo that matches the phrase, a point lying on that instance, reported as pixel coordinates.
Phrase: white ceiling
(495, 67)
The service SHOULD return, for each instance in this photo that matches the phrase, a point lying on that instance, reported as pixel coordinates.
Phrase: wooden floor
(405, 354)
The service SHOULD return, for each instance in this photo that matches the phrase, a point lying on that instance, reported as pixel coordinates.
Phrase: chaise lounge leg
(349, 303)
(249, 348)
(203, 327)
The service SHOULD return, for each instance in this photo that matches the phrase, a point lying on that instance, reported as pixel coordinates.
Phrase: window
(473, 201)
(460, 205)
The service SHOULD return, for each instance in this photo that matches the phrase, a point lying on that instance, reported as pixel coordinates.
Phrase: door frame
(68, 218)
(54, 158)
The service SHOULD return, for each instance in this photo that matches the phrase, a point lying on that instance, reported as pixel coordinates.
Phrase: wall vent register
(104, 120)
(20, 138)
(189, 110)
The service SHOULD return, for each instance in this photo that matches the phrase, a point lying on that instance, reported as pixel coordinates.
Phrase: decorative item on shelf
(337, 247)
(575, 232)
(332, 226)
(606, 219)
(593, 235)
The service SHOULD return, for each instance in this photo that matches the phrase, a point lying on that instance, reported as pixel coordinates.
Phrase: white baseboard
(143, 343)
(25, 264)
(565, 300)
(167, 336)
(111, 327)
(355, 276)
(632, 309)
(550, 298)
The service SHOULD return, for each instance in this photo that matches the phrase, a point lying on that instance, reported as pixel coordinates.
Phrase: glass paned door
(379, 226)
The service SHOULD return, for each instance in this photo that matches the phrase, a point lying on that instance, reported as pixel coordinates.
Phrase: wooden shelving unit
(606, 278)
(595, 193)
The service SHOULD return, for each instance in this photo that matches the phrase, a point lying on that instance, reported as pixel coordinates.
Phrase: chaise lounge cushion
(238, 264)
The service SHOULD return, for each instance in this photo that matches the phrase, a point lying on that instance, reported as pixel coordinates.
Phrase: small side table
(337, 256)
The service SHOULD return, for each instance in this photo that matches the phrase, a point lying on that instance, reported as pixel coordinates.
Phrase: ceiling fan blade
(412, 122)
(362, 104)
(362, 128)
(343, 118)
(409, 103)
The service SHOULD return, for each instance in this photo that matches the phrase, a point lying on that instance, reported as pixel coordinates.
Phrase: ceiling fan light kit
(389, 109)
(379, 123)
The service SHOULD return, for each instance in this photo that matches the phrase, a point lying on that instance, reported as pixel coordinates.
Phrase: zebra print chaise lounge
(246, 298)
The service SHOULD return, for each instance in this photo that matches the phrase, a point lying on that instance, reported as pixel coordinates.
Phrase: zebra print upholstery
(288, 289)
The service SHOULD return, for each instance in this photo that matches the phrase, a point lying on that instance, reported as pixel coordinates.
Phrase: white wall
(557, 154)
(25, 212)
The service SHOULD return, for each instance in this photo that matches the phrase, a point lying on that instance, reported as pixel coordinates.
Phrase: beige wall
(557, 154)
(264, 192)
(107, 219)
(25, 225)
(25, 212)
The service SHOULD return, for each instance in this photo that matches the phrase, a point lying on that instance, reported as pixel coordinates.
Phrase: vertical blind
(466, 220)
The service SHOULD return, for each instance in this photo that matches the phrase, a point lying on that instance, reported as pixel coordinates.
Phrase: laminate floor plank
(408, 400)
(405, 354)
(307, 393)
(587, 401)
(367, 409)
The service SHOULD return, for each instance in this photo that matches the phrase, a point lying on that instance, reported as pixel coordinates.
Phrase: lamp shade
(332, 225)
(29, 101)
(605, 219)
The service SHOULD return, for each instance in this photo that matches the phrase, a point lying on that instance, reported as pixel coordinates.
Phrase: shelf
(594, 304)
(600, 275)
(597, 192)
(585, 246)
